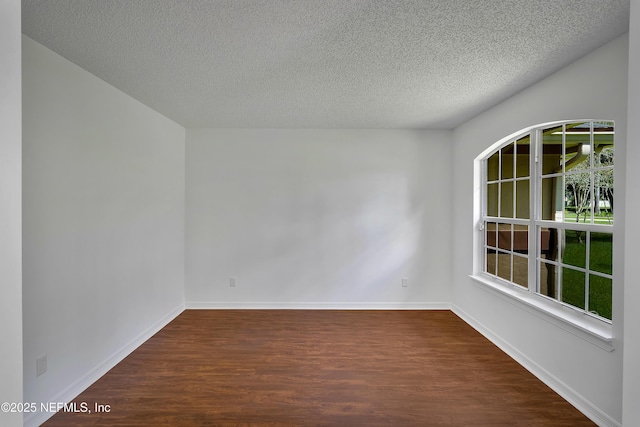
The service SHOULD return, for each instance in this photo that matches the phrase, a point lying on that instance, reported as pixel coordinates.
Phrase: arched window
(547, 210)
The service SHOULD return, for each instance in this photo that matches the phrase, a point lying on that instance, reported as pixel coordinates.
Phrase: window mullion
(587, 273)
(483, 215)
(591, 173)
(534, 202)
(561, 187)
(499, 211)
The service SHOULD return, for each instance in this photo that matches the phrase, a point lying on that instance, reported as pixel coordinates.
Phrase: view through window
(548, 211)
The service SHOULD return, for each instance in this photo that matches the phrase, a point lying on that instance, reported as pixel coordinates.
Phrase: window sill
(582, 325)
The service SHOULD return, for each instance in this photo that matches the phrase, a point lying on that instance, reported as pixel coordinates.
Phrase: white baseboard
(206, 305)
(570, 395)
(37, 418)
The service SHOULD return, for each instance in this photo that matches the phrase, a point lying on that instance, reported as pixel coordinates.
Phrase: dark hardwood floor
(318, 367)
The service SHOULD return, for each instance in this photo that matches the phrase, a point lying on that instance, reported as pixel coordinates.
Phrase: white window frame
(594, 329)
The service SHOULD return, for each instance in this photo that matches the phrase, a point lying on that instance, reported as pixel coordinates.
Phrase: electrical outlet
(405, 282)
(41, 365)
(233, 281)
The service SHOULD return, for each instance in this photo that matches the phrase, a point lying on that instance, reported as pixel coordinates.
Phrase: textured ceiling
(323, 63)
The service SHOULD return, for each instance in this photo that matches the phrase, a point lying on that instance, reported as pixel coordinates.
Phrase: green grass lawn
(603, 217)
(573, 281)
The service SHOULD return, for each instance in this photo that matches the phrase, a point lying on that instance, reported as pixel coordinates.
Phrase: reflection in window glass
(547, 248)
(504, 236)
(574, 247)
(490, 259)
(522, 199)
(600, 296)
(520, 270)
(507, 162)
(491, 238)
(522, 162)
(492, 199)
(521, 238)
(504, 265)
(601, 252)
(493, 167)
(548, 280)
(550, 200)
(506, 199)
(573, 287)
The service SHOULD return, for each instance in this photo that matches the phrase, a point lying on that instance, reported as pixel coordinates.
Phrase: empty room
(341, 212)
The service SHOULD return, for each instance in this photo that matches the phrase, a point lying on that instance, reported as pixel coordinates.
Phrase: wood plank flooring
(320, 368)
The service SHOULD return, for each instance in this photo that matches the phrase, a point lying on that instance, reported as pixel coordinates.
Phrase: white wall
(318, 218)
(103, 224)
(10, 211)
(631, 408)
(587, 375)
